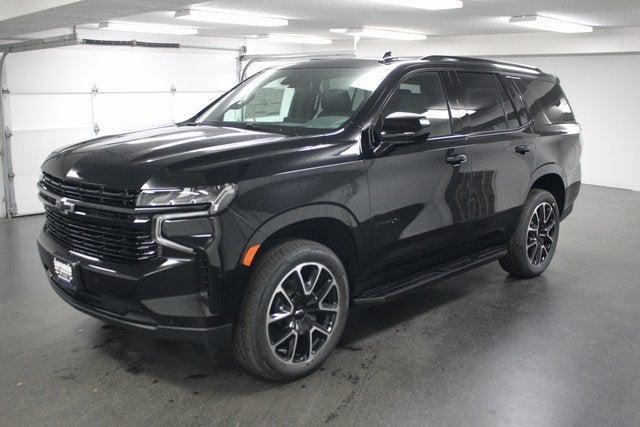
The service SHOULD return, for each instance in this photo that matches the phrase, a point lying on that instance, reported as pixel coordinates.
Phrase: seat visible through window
(422, 94)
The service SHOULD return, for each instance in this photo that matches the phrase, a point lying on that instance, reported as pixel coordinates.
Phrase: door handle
(456, 159)
(523, 149)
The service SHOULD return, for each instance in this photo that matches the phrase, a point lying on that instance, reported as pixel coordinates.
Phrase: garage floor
(482, 348)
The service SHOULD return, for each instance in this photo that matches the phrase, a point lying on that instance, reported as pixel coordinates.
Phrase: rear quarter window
(546, 101)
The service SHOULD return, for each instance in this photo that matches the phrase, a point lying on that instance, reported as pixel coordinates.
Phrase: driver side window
(422, 94)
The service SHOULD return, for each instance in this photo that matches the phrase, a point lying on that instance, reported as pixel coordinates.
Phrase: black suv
(306, 189)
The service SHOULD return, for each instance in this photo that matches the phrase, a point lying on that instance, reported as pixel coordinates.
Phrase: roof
(438, 60)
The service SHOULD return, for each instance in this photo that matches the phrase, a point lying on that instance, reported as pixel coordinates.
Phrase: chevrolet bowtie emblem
(65, 206)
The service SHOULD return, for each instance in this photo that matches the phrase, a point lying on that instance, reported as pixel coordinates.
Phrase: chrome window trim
(499, 132)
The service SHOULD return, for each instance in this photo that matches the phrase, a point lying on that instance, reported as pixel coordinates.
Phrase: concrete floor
(481, 349)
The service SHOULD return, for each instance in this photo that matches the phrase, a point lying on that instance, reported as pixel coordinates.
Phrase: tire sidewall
(541, 196)
(316, 254)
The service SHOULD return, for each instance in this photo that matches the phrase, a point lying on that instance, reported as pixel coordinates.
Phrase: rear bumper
(571, 194)
(157, 297)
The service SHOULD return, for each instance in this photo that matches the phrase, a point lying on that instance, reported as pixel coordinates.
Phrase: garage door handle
(523, 149)
(456, 159)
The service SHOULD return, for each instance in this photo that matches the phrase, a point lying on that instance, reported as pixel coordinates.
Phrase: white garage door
(61, 96)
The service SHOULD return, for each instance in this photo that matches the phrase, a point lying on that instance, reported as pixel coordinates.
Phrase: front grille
(91, 193)
(107, 242)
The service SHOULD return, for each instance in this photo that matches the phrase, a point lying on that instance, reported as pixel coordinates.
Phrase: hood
(168, 156)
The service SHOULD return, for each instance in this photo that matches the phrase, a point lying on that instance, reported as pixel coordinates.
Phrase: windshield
(313, 98)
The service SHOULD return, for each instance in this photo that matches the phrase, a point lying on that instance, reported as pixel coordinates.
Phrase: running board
(388, 291)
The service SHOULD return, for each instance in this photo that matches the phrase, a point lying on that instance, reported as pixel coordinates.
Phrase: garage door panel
(59, 70)
(27, 194)
(52, 104)
(133, 72)
(78, 69)
(30, 148)
(194, 73)
(185, 105)
(116, 113)
(29, 112)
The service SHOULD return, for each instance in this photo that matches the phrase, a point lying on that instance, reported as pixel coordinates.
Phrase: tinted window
(516, 97)
(507, 106)
(422, 94)
(546, 101)
(480, 104)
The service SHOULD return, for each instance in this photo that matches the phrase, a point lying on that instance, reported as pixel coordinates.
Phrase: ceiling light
(425, 4)
(230, 18)
(295, 38)
(378, 33)
(136, 27)
(538, 22)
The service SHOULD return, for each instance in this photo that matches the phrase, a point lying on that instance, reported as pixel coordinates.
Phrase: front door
(419, 191)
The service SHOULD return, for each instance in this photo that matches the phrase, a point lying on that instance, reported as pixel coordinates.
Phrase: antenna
(386, 58)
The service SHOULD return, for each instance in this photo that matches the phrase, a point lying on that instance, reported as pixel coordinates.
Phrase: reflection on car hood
(165, 156)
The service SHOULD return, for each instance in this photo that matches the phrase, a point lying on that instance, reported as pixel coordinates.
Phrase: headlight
(218, 197)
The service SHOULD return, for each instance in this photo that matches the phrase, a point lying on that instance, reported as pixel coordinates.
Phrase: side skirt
(389, 291)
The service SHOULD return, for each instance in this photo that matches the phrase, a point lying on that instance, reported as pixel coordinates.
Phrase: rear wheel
(533, 244)
(294, 311)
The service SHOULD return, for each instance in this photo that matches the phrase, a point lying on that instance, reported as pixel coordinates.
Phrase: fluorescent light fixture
(425, 4)
(379, 33)
(136, 27)
(295, 38)
(538, 22)
(204, 15)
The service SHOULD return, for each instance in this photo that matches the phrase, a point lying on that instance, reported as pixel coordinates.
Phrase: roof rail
(469, 60)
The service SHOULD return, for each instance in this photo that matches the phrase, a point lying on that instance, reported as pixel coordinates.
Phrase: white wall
(599, 71)
(604, 92)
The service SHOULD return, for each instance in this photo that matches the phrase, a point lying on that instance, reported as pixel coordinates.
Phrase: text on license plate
(63, 270)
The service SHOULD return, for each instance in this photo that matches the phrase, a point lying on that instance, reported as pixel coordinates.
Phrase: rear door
(503, 156)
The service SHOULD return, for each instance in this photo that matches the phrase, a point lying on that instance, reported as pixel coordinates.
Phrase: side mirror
(404, 128)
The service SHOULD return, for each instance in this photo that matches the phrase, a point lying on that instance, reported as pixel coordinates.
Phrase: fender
(302, 213)
(549, 168)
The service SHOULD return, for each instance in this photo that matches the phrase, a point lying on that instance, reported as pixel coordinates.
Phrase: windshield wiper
(268, 128)
(252, 126)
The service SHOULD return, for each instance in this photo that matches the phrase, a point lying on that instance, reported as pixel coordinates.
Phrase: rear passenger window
(516, 97)
(480, 103)
(422, 94)
(507, 106)
(546, 101)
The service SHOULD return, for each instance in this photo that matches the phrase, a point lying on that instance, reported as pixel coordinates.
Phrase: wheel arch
(551, 178)
(328, 224)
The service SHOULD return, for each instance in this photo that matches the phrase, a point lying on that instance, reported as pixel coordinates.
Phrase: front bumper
(158, 297)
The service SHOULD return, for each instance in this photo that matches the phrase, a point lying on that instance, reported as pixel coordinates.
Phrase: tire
(530, 250)
(280, 313)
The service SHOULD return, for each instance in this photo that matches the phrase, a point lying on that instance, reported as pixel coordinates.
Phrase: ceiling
(316, 17)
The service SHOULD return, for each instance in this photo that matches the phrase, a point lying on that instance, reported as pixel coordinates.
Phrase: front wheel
(533, 244)
(294, 311)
